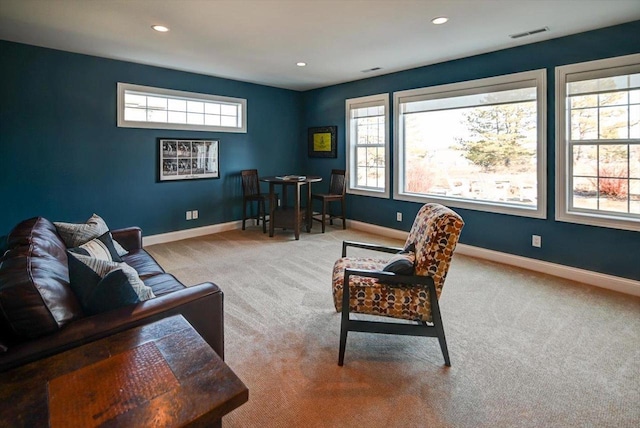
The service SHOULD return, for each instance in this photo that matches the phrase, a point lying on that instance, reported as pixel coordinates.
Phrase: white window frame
(476, 87)
(352, 103)
(563, 169)
(240, 103)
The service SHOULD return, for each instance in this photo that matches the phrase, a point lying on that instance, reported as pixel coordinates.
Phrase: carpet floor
(527, 349)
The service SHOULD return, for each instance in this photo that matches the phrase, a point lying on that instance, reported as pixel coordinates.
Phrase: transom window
(599, 135)
(367, 145)
(478, 144)
(148, 107)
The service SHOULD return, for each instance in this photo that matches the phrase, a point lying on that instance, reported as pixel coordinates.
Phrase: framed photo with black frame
(322, 142)
(187, 159)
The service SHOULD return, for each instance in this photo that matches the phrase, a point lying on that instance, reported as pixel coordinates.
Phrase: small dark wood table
(286, 217)
(158, 375)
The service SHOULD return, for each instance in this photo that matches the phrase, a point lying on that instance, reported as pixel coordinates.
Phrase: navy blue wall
(610, 251)
(63, 157)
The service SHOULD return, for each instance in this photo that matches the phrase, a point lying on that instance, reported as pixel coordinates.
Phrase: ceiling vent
(529, 33)
(372, 69)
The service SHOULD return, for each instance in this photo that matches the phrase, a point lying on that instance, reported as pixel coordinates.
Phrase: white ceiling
(261, 41)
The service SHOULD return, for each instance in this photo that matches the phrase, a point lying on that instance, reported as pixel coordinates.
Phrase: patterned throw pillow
(76, 234)
(102, 285)
(100, 248)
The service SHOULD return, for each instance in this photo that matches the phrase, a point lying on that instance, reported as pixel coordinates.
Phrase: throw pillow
(76, 234)
(102, 285)
(99, 248)
(402, 263)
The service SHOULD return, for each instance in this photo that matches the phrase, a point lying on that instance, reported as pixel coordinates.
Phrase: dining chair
(337, 189)
(406, 287)
(250, 194)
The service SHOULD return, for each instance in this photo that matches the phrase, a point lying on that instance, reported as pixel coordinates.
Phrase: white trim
(610, 282)
(563, 214)
(370, 100)
(178, 235)
(615, 283)
(241, 103)
(476, 86)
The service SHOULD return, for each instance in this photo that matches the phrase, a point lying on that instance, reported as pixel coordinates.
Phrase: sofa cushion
(100, 248)
(163, 284)
(76, 234)
(35, 296)
(143, 263)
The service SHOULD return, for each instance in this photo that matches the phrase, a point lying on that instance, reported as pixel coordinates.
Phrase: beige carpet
(527, 350)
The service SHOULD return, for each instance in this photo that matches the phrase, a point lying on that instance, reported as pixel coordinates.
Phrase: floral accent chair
(400, 287)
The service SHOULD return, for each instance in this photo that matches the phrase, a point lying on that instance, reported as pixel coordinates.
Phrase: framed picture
(322, 142)
(188, 159)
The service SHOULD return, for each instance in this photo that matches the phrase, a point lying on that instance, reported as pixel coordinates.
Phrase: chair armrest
(130, 238)
(392, 278)
(366, 246)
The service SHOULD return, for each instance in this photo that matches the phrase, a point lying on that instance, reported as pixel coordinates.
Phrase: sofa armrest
(201, 305)
(130, 238)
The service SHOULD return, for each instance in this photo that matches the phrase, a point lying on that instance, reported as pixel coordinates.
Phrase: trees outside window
(598, 136)
(367, 127)
(477, 144)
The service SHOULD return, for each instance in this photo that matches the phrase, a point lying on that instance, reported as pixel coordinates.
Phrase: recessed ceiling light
(301, 64)
(439, 20)
(160, 28)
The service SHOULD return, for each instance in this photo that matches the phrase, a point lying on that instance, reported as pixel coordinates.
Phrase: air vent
(529, 33)
(372, 69)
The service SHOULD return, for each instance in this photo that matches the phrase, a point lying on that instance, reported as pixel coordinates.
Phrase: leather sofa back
(35, 296)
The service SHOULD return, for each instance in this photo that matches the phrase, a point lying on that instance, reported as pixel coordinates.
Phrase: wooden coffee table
(158, 375)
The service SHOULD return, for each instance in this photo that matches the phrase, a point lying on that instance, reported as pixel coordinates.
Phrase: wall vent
(372, 69)
(529, 33)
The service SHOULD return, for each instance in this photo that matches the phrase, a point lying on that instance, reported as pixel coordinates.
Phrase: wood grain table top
(162, 375)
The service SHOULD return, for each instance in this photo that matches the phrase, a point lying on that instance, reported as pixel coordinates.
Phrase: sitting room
(283, 213)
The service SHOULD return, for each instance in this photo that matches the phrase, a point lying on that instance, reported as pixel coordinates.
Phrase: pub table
(290, 217)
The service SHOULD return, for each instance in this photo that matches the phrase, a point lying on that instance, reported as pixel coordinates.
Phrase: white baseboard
(623, 285)
(190, 233)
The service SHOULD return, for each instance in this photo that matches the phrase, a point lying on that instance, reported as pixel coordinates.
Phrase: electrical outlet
(188, 215)
(398, 216)
(536, 241)
(194, 214)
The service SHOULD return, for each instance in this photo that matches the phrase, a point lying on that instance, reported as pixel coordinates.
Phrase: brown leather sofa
(40, 315)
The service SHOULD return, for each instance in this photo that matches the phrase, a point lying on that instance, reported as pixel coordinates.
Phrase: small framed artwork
(188, 159)
(322, 142)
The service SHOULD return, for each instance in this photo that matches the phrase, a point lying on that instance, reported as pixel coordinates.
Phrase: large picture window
(478, 144)
(157, 108)
(367, 145)
(598, 135)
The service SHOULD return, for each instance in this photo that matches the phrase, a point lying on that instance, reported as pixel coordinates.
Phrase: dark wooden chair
(250, 194)
(337, 189)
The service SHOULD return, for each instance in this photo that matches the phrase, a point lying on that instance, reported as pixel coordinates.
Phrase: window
(147, 107)
(367, 145)
(478, 144)
(598, 143)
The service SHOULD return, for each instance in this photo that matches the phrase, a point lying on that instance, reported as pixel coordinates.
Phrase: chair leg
(263, 210)
(324, 213)
(344, 329)
(244, 213)
(330, 214)
(344, 220)
(443, 346)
